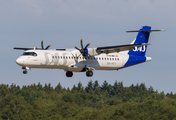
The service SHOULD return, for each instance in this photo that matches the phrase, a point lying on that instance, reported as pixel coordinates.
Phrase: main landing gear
(89, 73)
(69, 74)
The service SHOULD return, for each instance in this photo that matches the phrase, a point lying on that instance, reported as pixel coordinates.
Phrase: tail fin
(142, 37)
(137, 55)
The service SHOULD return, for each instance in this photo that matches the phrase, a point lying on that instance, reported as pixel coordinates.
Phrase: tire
(25, 72)
(69, 74)
(89, 73)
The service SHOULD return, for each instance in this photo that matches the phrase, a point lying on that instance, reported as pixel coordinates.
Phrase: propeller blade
(76, 48)
(83, 50)
(42, 44)
(81, 44)
(87, 46)
(47, 47)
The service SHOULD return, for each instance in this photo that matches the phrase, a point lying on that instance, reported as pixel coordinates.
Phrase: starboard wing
(111, 49)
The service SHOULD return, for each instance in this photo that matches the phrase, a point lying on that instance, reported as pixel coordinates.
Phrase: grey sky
(61, 23)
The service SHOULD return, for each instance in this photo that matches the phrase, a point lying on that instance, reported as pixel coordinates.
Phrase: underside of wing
(17, 48)
(111, 49)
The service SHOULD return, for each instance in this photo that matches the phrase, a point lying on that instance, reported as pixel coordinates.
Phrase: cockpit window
(30, 53)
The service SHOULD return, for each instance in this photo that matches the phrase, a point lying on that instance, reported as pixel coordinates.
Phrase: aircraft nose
(19, 61)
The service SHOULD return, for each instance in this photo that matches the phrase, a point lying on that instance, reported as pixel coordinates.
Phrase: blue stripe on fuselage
(134, 60)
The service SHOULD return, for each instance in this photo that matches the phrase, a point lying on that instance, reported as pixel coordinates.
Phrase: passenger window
(56, 57)
(112, 58)
(109, 58)
(105, 58)
(53, 57)
(99, 58)
(102, 58)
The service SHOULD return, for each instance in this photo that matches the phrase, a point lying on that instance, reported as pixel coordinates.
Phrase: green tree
(74, 89)
(96, 85)
(82, 90)
(79, 86)
(4, 90)
(58, 88)
(16, 108)
(89, 86)
(96, 91)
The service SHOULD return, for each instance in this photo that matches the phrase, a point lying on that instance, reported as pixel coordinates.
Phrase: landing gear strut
(69, 74)
(25, 70)
(89, 73)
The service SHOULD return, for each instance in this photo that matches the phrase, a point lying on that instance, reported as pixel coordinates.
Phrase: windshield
(30, 53)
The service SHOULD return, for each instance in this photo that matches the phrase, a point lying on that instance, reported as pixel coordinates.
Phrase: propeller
(83, 50)
(43, 47)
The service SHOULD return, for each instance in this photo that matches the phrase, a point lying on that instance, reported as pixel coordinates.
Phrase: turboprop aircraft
(86, 59)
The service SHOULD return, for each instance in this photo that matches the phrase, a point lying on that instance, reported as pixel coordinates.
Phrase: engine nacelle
(92, 51)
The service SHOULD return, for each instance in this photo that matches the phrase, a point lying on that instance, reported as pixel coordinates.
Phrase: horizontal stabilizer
(145, 31)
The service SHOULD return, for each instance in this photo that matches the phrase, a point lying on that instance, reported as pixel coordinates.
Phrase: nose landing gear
(25, 70)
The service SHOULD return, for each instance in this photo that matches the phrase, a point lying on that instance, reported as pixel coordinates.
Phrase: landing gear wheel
(69, 74)
(25, 72)
(89, 73)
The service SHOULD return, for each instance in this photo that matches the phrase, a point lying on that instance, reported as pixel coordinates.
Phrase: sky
(62, 23)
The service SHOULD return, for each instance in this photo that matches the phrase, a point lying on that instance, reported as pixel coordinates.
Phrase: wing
(111, 49)
(17, 48)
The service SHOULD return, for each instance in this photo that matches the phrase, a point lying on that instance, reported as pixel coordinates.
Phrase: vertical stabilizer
(142, 37)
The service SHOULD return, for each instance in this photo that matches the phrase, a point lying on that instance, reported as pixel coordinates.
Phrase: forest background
(92, 102)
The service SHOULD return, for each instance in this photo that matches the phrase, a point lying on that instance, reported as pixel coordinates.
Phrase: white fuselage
(71, 60)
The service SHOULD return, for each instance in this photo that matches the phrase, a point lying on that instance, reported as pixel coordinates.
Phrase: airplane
(86, 59)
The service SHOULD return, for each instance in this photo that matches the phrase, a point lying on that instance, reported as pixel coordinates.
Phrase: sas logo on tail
(141, 49)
